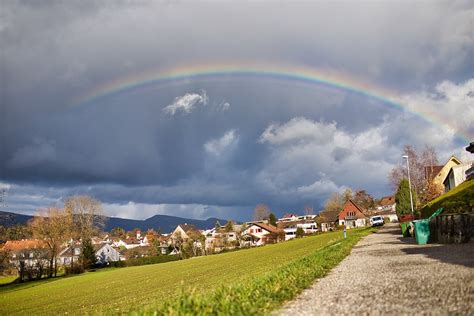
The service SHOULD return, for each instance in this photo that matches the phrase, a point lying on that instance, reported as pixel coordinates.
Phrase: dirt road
(389, 274)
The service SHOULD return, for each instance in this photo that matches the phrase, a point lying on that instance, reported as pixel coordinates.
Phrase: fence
(452, 228)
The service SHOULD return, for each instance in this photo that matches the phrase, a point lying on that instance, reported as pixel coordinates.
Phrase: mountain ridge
(164, 223)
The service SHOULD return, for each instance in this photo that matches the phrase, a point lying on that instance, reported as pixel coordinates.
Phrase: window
(31, 255)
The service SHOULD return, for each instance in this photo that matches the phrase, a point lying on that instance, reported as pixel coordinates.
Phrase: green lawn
(458, 200)
(7, 279)
(120, 290)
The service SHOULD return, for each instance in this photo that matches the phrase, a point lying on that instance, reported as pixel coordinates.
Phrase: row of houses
(108, 249)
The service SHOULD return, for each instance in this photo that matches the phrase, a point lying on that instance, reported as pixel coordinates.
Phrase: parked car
(377, 221)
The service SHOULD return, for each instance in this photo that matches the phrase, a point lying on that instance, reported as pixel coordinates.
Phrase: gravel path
(388, 274)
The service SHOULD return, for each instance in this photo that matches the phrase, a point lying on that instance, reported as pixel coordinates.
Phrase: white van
(377, 220)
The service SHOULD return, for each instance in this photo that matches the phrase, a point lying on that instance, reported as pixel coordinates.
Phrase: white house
(105, 253)
(257, 234)
(308, 228)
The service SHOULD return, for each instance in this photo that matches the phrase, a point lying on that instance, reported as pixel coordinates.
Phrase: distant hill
(164, 223)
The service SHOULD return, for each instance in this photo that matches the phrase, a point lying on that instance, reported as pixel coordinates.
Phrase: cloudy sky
(217, 145)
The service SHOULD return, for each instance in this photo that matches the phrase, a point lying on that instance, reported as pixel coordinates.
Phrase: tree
(422, 173)
(87, 218)
(261, 212)
(402, 198)
(229, 226)
(272, 219)
(362, 198)
(299, 232)
(53, 227)
(337, 200)
(88, 257)
(118, 232)
(308, 210)
(5, 256)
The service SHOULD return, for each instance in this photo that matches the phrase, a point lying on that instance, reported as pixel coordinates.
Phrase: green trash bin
(422, 231)
(404, 227)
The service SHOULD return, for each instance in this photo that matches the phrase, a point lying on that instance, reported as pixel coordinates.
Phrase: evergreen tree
(299, 232)
(229, 226)
(402, 198)
(88, 254)
(272, 219)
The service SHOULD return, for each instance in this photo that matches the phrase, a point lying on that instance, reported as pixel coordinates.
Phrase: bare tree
(422, 172)
(52, 226)
(261, 212)
(308, 210)
(87, 217)
(337, 200)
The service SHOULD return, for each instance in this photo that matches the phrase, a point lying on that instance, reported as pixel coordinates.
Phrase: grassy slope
(121, 289)
(459, 199)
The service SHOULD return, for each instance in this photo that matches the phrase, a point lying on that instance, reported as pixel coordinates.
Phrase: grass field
(135, 288)
(7, 279)
(458, 200)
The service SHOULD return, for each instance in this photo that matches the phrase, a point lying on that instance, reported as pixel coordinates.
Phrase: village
(32, 258)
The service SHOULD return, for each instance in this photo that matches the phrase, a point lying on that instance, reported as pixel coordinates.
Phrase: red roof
(352, 206)
(270, 228)
(24, 244)
(387, 200)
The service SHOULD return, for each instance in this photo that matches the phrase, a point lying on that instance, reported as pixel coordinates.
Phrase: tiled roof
(12, 245)
(188, 227)
(267, 227)
(387, 200)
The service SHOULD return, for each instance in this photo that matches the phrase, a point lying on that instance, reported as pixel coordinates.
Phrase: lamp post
(409, 185)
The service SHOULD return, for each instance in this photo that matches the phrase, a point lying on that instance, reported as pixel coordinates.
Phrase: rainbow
(282, 72)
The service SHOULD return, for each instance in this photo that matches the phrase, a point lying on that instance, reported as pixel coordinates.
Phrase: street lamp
(409, 185)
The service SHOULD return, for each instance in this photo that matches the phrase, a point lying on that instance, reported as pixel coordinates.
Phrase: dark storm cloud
(226, 143)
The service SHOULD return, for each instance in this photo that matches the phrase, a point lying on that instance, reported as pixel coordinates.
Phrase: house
(352, 215)
(387, 203)
(292, 218)
(328, 220)
(437, 174)
(288, 218)
(185, 232)
(105, 253)
(258, 234)
(308, 226)
(132, 242)
(456, 176)
(218, 239)
(70, 253)
(27, 252)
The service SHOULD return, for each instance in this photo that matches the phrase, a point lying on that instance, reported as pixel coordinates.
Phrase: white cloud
(186, 103)
(223, 106)
(309, 158)
(298, 129)
(219, 146)
(450, 106)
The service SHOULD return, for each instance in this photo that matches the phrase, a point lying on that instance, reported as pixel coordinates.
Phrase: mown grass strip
(261, 294)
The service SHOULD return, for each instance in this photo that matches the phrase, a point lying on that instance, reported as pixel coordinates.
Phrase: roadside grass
(133, 288)
(262, 294)
(458, 200)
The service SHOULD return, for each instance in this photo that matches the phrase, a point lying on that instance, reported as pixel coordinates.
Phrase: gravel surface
(388, 274)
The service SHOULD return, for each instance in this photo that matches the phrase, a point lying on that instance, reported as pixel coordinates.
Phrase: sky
(89, 104)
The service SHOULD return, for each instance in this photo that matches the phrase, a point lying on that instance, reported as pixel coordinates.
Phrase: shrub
(75, 269)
